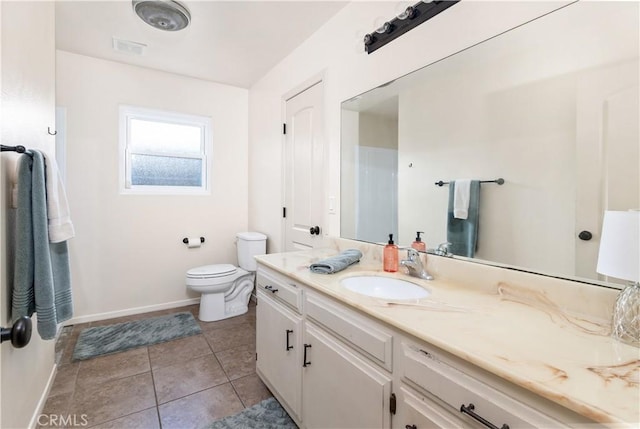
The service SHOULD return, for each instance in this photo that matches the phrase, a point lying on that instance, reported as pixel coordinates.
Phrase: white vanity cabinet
(323, 380)
(335, 367)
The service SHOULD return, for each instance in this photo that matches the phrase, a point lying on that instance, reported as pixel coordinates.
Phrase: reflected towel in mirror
(463, 233)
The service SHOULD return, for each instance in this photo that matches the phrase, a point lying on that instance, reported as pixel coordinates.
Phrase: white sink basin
(384, 287)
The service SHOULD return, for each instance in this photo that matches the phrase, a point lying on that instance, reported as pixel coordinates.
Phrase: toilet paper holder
(186, 240)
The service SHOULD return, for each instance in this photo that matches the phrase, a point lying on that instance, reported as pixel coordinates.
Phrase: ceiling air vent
(128, 47)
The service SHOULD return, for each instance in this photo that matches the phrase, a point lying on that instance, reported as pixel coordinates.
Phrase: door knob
(314, 230)
(585, 235)
(19, 334)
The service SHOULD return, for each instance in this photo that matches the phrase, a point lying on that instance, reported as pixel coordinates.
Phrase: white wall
(27, 110)
(336, 51)
(128, 251)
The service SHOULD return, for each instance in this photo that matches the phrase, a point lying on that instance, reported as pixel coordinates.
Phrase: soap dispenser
(390, 256)
(418, 244)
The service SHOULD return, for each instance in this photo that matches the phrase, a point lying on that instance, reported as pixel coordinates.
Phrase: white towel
(60, 226)
(461, 198)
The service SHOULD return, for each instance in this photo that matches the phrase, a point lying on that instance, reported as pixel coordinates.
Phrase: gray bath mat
(267, 414)
(105, 340)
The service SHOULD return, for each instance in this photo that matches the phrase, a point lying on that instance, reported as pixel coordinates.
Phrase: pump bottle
(390, 256)
(418, 244)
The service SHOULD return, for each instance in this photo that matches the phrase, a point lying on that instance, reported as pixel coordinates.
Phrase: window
(164, 152)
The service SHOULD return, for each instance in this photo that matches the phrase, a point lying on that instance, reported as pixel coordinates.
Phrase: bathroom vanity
(503, 350)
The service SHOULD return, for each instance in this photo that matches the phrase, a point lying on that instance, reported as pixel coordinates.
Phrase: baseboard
(131, 311)
(43, 398)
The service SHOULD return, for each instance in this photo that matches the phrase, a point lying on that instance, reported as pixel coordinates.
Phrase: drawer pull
(411, 427)
(469, 410)
(304, 358)
(271, 288)
(289, 331)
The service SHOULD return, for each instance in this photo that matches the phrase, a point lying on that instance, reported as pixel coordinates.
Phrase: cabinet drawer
(365, 335)
(421, 412)
(425, 370)
(280, 287)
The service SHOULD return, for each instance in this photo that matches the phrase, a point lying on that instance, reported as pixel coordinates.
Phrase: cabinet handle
(411, 427)
(469, 410)
(289, 331)
(304, 358)
(269, 287)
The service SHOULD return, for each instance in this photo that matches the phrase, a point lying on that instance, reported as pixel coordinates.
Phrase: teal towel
(463, 233)
(336, 263)
(42, 281)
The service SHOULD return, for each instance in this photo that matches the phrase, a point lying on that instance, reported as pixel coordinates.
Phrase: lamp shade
(619, 254)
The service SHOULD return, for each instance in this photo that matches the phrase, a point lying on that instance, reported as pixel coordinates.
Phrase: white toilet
(226, 289)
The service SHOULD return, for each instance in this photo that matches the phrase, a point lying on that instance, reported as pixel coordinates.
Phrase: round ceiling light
(165, 15)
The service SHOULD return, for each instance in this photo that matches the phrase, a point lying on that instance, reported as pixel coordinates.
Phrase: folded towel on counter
(461, 192)
(60, 226)
(336, 263)
(41, 280)
(463, 233)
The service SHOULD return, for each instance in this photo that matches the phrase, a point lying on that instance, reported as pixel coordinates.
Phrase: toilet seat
(211, 271)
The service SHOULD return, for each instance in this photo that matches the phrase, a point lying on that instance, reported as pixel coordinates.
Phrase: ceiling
(231, 42)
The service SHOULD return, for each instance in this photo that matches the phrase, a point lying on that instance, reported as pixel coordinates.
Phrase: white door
(607, 154)
(304, 178)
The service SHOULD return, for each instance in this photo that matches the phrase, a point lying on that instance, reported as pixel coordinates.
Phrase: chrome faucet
(413, 264)
(442, 250)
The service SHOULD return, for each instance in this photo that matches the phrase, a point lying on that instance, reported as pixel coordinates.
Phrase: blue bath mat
(267, 414)
(106, 340)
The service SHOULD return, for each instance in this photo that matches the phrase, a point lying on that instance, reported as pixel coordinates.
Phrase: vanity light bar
(410, 18)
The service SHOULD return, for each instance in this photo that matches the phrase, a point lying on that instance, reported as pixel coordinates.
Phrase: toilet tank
(250, 244)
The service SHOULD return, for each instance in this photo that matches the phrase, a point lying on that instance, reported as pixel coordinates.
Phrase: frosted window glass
(151, 170)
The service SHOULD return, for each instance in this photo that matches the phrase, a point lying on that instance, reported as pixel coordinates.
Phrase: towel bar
(19, 333)
(499, 181)
(19, 149)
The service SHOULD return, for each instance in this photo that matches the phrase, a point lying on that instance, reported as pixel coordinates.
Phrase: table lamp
(619, 257)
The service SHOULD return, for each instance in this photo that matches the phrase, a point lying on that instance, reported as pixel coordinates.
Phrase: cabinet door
(278, 335)
(341, 389)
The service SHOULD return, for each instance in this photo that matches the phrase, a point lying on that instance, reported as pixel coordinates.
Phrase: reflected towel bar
(499, 181)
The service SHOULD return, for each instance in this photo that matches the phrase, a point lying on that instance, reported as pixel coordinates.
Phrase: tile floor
(184, 383)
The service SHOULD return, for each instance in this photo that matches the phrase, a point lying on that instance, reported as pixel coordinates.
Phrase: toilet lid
(211, 271)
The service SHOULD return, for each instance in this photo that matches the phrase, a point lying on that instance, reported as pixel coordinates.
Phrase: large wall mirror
(550, 106)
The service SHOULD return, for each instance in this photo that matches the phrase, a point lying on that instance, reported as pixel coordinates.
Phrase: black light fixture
(410, 18)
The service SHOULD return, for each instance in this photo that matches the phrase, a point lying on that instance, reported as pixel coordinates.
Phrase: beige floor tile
(251, 390)
(119, 365)
(175, 381)
(178, 351)
(55, 407)
(65, 381)
(200, 409)
(114, 399)
(238, 362)
(147, 419)
(231, 337)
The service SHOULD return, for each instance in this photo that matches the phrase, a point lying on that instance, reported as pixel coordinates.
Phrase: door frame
(296, 90)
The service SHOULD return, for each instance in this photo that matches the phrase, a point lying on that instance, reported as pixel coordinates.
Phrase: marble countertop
(510, 330)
